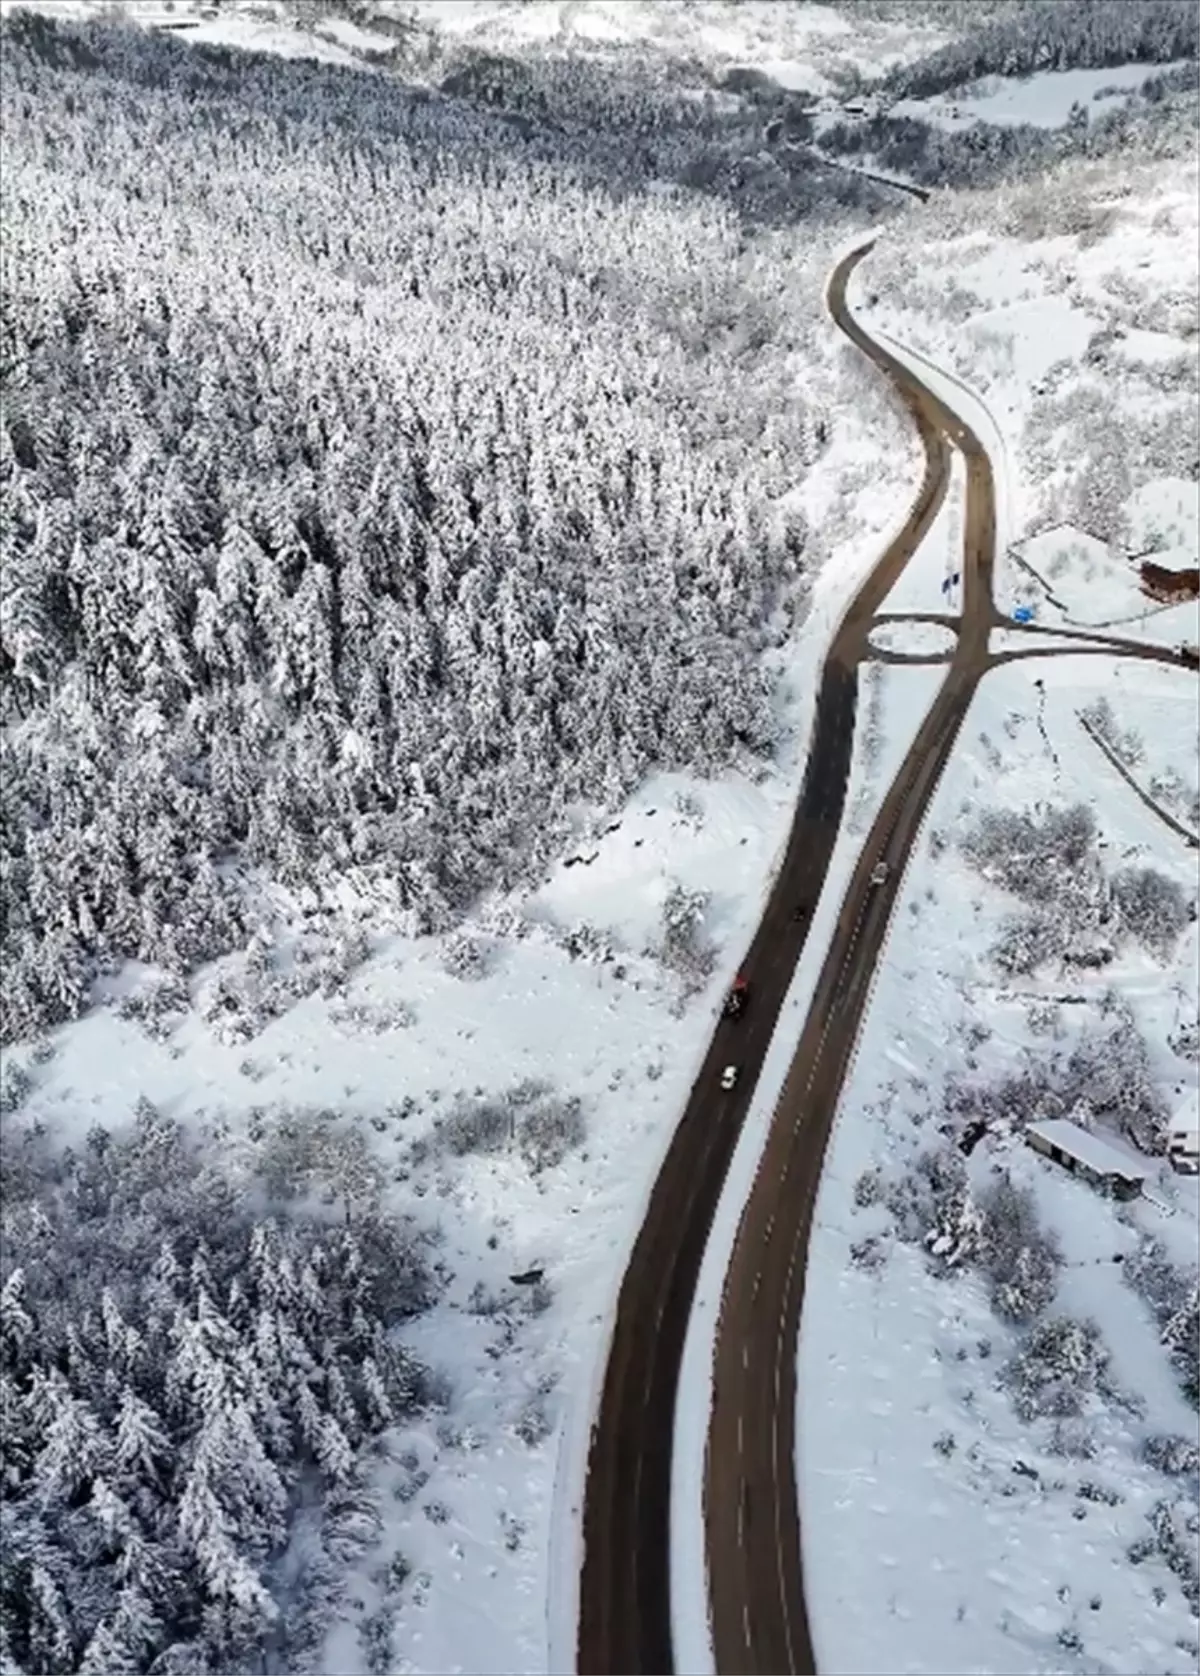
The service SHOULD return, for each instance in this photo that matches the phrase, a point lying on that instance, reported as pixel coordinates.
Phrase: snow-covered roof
(1090, 1150)
(1186, 1120)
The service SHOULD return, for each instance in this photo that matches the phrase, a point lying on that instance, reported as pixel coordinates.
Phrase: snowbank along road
(625, 1610)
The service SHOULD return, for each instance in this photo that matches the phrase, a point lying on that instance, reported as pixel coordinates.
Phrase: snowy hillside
(1006, 1459)
(1030, 1501)
(431, 483)
(262, 612)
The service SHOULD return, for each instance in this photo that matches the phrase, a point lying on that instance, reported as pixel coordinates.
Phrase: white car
(879, 873)
(729, 1076)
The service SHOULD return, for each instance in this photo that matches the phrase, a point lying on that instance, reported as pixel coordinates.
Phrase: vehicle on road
(1189, 654)
(799, 911)
(729, 1076)
(735, 1001)
(879, 873)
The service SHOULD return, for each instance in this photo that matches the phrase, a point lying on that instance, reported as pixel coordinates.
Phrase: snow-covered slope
(992, 1538)
(987, 1469)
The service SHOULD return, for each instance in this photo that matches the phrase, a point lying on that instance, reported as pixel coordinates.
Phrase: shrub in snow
(1032, 855)
(1044, 1018)
(868, 1189)
(538, 1297)
(1185, 1041)
(310, 1153)
(1171, 1292)
(464, 956)
(683, 948)
(1020, 1258)
(533, 1424)
(347, 949)
(1074, 1439)
(869, 1255)
(1152, 907)
(588, 942)
(927, 1193)
(1127, 745)
(159, 1005)
(16, 1085)
(1177, 1456)
(549, 1126)
(1109, 1071)
(376, 1639)
(689, 808)
(541, 1125)
(1027, 941)
(1176, 1527)
(477, 1125)
(1058, 1367)
(190, 1388)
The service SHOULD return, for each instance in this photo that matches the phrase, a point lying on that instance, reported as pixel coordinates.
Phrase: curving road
(759, 1620)
(625, 1607)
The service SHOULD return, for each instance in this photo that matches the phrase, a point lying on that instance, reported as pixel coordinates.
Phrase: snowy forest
(382, 477)
(192, 1392)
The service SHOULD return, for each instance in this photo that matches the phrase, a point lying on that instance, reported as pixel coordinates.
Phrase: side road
(625, 1612)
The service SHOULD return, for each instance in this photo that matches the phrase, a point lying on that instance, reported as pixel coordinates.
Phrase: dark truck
(735, 1001)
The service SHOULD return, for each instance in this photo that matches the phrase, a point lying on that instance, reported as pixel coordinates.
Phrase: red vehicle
(735, 1001)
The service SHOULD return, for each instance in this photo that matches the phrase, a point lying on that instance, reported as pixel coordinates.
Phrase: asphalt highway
(759, 1618)
(625, 1608)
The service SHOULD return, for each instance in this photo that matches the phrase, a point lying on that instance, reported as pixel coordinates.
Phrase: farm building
(1169, 586)
(1088, 1156)
(1183, 1142)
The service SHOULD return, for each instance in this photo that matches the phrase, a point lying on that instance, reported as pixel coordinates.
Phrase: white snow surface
(1043, 100)
(914, 640)
(1049, 331)
(974, 1566)
(796, 44)
(799, 45)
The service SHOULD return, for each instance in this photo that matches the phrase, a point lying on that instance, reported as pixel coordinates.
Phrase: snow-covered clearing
(892, 705)
(1147, 716)
(1080, 580)
(1044, 100)
(921, 1488)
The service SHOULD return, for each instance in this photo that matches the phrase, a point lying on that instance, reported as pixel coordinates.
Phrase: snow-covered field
(991, 1542)
(1044, 100)
(908, 1444)
(797, 45)
(563, 990)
